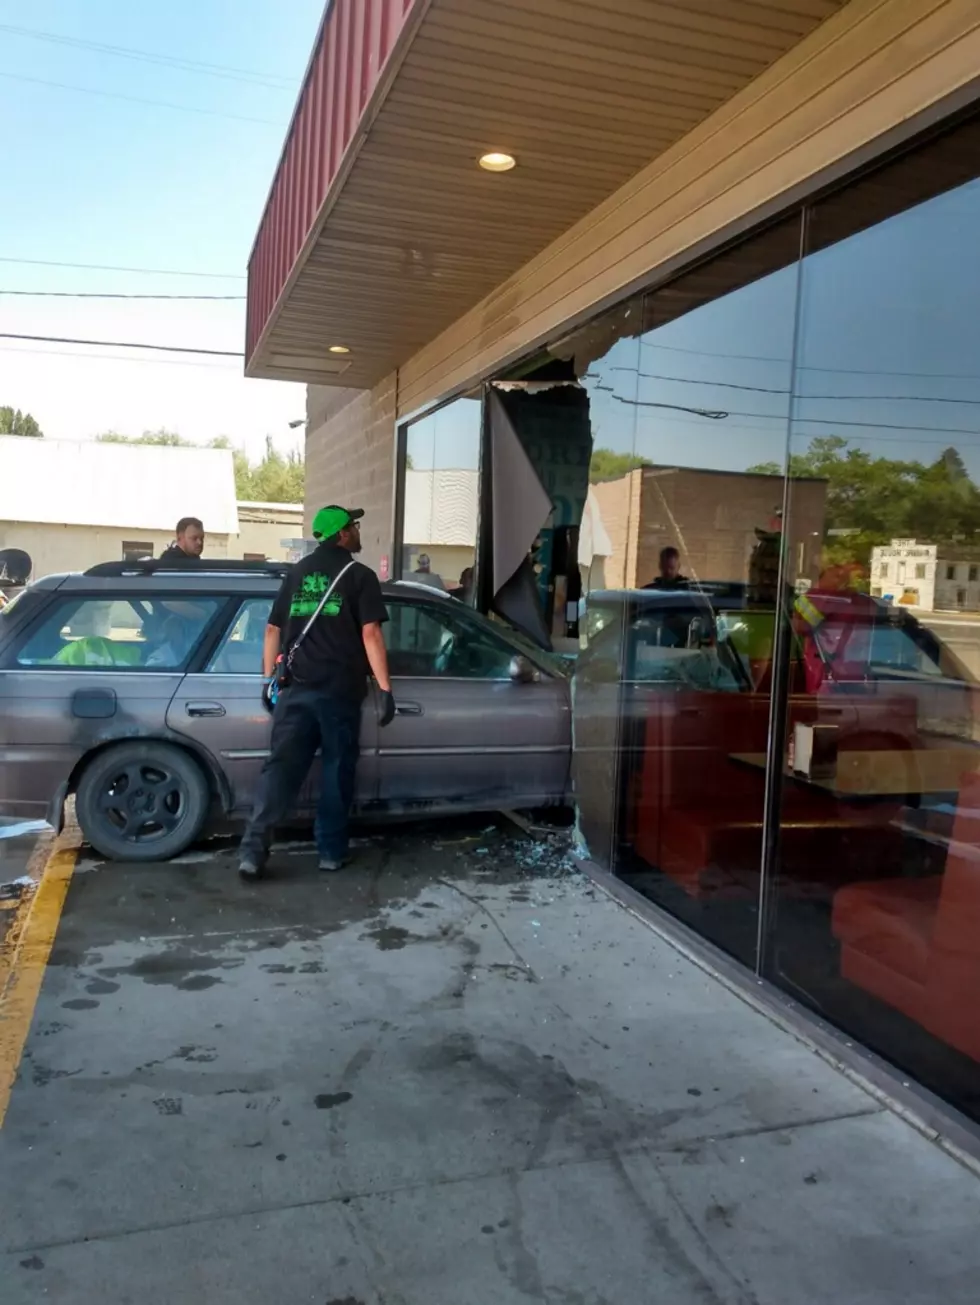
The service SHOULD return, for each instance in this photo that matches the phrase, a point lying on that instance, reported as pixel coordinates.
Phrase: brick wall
(711, 518)
(350, 456)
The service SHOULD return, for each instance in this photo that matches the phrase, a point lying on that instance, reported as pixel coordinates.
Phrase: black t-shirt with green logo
(331, 658)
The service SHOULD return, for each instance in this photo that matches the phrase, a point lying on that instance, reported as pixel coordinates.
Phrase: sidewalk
(439, 1079)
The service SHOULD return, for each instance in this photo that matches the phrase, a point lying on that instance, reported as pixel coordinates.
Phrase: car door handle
(204, 709)
(408, 709)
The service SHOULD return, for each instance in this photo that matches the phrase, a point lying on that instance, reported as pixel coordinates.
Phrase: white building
(933, 577)
(72, 503)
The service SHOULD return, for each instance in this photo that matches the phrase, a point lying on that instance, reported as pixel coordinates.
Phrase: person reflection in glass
(670, 571)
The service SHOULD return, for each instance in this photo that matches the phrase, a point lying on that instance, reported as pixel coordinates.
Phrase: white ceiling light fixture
(338, 348)
(496, 161)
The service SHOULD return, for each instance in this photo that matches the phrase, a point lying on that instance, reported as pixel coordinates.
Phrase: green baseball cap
(329, 520)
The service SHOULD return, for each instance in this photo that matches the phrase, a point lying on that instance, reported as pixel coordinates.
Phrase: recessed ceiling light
(339, 348)
(497, 162)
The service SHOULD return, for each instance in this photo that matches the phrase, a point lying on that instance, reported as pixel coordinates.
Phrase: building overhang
(381, 228)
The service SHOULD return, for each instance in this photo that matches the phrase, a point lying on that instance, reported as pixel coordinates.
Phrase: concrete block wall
(350, 458)
(619, 507)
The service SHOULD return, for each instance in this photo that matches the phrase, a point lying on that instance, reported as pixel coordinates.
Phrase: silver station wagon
(136, 687)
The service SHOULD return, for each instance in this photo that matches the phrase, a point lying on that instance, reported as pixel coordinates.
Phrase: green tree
(166, 438)
(15, 422)
(607, 465)
(278, 477)
(874, 500)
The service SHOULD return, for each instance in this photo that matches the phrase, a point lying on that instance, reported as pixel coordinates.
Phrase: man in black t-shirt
(188, 542)
(321, 705)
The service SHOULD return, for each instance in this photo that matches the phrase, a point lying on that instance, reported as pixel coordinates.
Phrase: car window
(425, 642)
(126, 633)
(240, 651)
(894, 649)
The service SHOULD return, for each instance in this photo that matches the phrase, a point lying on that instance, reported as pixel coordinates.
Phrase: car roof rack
(160, 566)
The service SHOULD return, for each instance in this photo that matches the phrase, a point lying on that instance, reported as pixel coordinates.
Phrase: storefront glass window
(875, 904)
(711, 396)
(440, 498)
(763, 480)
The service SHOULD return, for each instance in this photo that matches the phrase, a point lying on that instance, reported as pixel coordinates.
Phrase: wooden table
(887, 773)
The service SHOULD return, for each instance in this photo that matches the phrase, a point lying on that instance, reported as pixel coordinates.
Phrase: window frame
(134, 550)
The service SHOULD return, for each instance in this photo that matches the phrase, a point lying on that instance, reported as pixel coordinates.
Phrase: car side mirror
(521, 671)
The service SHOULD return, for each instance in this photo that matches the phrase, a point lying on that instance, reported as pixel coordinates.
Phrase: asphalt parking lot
(454, 1074)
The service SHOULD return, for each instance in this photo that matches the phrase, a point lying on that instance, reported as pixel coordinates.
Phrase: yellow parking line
(24, 956)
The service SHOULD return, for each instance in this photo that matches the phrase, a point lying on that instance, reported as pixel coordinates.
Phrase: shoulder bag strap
(319, 608)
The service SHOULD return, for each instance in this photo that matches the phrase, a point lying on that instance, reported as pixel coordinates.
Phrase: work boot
(330, 863)
(250, 870)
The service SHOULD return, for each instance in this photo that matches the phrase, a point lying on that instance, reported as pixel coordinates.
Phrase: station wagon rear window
(120, 633)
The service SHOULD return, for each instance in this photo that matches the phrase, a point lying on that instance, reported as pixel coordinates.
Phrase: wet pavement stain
(182, 969)
(328, 1100)
(197, 1055)
(41, 1074)
(34, 1262)
(80, 1003)
(391, 938)
(101, 986)
(169, 1106)
(198, 982)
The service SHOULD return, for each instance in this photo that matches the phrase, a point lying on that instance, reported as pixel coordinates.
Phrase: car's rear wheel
(142, 801)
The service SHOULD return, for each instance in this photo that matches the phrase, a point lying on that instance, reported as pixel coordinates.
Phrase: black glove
(269, 694)
(386, 707)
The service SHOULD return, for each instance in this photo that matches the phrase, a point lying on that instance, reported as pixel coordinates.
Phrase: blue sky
(887, 358)
(94, 179)
(887, 355)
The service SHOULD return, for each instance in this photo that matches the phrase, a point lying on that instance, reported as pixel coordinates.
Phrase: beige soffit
(583, 93)
(876, 72)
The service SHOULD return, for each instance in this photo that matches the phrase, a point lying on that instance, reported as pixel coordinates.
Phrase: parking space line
(24, 955)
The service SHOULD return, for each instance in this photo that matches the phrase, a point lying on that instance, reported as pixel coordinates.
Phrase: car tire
(142, 801)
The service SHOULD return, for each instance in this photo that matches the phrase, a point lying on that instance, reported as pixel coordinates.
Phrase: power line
(86, 294)
(795, 435)
(110, 267)
(137, 99)
(799, 421)
(767, 389)
(274, 81)
(710, 414)
(121, 344)
(803, 367)
(228, 368)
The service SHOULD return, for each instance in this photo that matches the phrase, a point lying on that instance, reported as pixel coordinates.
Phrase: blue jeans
(304, 720)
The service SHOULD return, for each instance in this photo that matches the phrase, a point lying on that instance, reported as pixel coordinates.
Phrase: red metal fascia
(355, 41)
